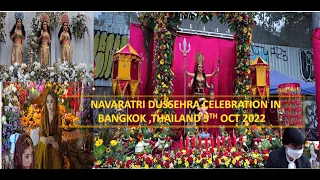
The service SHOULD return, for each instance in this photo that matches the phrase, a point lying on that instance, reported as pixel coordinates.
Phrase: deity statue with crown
(198, 83)
(17, 35)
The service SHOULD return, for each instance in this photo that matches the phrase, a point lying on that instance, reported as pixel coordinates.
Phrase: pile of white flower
(58, 73)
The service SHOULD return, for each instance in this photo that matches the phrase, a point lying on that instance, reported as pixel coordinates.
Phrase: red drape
(316, 60)
(212, 49)
(146, 87)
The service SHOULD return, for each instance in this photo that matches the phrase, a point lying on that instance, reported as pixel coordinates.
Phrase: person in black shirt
(290, 155)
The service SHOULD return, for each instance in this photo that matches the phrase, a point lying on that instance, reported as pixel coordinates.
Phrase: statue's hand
(55, 145)
(44, 140)
(189, 85)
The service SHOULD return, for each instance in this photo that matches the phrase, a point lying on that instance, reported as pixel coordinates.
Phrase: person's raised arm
(188, 73)
(208, 86)
(213, 73)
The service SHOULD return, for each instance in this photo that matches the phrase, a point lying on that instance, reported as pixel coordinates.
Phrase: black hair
(61, 30)
(293, 136)
(39, 33)
(14, 28)
(195, 82)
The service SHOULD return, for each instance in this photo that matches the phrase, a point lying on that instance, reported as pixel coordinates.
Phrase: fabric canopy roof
(277, 78)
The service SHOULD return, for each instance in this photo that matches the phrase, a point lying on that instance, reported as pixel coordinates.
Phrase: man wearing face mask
(290, 155)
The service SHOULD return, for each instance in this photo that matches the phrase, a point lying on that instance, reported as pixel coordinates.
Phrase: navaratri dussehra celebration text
(204, 116)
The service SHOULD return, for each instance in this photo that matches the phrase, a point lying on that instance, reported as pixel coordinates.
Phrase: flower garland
(2, 25)
(36, 72)
(162, 59)
(78, 25)
(241, 23)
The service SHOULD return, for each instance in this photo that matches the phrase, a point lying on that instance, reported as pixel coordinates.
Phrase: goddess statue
(199, 81)
(65, 39)
(44, 38)
(17, 35)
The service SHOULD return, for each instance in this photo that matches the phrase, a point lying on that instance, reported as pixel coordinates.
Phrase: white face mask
(295, 154)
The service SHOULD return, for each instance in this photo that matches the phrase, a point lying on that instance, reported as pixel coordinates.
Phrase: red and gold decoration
(291, 104)
(165, 27)
(260, 78)
(164, 24)
(126, 72)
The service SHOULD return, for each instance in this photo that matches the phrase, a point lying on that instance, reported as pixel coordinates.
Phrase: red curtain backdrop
(136, 40)
(316, 59)
(212, 48)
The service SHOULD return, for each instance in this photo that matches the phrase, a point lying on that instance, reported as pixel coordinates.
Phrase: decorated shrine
(291, 104)
(260, 78)
(126, 72)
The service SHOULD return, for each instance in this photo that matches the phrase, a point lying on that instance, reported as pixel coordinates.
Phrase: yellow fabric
(44, 54)
(124, 68)
(267, 90)
(261, 76)
(114, 86)
(253, 91)
(66, 53)
(134, 86)
(46, 156)
(17, 54)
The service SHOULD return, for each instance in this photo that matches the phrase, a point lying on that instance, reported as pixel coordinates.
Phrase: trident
(184, 52)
